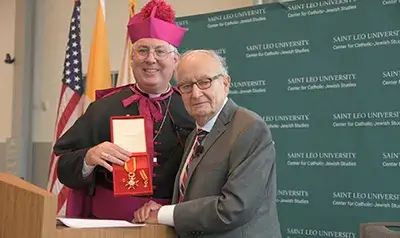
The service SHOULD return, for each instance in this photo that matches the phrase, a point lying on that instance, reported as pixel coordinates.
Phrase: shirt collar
(209, 125)
(150, 95)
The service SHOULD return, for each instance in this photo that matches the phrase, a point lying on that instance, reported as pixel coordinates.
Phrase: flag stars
(73, 78)
(74, 85)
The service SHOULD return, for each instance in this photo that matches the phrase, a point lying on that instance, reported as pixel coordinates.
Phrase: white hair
(172, 48)
(212, 53)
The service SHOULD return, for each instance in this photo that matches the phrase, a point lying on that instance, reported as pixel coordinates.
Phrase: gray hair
(213, 54)
(172, 48)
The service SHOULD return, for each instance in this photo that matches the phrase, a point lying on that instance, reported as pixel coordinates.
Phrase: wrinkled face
(153, 63)
(203, 87)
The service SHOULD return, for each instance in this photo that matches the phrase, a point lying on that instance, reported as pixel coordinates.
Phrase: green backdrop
(325, 76)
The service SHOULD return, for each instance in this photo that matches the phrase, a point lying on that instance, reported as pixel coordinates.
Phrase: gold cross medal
(130, 168)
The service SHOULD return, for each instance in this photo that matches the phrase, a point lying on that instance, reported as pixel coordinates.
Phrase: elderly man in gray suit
(226, 184)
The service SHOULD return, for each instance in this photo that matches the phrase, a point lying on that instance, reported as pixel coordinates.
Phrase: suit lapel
(217, 130)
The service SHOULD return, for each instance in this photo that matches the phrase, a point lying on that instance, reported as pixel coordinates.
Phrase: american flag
(71, 100)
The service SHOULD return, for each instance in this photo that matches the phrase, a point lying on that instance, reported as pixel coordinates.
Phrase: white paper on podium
(129, 134)
(96, 223)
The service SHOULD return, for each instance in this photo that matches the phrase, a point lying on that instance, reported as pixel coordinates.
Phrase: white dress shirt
(166, 213)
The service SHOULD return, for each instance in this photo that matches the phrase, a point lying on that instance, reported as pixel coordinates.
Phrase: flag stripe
(70, 105)
(65, 97)
(70, 113)
(63, 87)
(75, 90)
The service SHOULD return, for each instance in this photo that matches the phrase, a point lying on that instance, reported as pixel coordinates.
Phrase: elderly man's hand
(148, 213)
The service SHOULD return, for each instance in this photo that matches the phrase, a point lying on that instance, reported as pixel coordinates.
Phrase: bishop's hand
(106, 152)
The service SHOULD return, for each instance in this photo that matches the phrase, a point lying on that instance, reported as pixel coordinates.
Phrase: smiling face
(202, 68)
(153, 63)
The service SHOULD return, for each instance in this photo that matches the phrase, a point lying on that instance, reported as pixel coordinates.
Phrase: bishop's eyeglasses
(159, 53)
(202, 84)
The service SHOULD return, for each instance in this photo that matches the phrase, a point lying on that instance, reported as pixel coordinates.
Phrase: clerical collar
(150, 95)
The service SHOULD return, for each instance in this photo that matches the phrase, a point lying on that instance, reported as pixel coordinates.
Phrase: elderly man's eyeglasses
(159, 53)
(201, 84)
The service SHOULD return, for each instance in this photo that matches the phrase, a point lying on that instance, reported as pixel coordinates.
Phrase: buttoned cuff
(165, 215)
(86, 169)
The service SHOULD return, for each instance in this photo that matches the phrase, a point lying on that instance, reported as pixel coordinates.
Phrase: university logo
(390, 2)
(183, 23)
(366, 199)
(295, 121)
(322, 159)
(391, 77)
(248, 87)
(320, 7)
(237, 18)
(278, 48)
(391, 160)
(293, 196)
(366, 39)
(319, 233)
(366, 119)
(322, 82)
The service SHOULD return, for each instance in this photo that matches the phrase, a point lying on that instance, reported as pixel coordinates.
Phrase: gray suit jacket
(231, 191)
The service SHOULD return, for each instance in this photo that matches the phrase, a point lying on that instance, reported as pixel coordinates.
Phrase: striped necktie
(201, 134)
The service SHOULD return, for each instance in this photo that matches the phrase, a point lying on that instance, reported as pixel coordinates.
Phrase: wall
(7, 29)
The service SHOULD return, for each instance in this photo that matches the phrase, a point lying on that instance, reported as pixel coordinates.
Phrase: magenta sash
(79, 204)
(106, 206)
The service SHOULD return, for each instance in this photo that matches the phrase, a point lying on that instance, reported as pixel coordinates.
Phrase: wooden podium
(27, 211)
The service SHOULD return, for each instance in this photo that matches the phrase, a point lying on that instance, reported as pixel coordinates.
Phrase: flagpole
(103, 6)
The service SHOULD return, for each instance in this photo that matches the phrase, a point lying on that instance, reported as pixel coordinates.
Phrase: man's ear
(227, 81)
(176, 58)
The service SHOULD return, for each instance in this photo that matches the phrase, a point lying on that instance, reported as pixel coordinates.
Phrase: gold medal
(144, 177)
(130, 168)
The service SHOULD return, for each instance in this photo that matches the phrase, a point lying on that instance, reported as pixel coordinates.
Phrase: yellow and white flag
(99, 73)
(125, 75)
